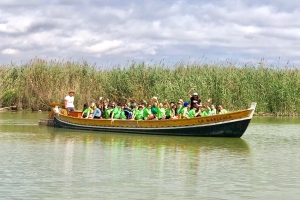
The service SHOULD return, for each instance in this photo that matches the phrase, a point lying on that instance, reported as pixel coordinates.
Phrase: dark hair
(85, 106)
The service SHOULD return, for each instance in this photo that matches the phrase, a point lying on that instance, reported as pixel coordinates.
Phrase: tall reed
(35, 84)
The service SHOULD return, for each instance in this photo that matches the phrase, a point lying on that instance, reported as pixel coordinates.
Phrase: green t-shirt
(205, 113)
(138, 114)
(180, 110)
(168, 112)
(161, 113)
(192, 113)
(154, 110)
(146, 112)
(107, 113)
(87, 110)
(117, 112)
(122, 115)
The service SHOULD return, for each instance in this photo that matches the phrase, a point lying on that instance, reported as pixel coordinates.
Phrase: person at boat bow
(69, 101)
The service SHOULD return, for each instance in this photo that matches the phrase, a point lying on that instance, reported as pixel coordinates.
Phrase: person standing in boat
(69, 101)
(194, 98)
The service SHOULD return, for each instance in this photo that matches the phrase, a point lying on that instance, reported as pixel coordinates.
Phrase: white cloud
(116, 31)
(9, 51)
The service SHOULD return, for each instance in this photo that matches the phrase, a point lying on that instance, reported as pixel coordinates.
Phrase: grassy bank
(35, 84)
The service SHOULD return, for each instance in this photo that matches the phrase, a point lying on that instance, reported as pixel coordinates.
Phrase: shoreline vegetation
(34, 85)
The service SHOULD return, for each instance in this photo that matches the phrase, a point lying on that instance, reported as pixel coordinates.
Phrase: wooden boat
(232, 124)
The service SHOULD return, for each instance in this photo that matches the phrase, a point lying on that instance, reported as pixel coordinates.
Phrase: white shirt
(70, 101)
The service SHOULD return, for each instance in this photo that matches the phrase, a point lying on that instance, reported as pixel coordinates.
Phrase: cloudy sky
(118, 31)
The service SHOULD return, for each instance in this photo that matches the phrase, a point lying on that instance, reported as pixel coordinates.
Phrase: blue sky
(117, 31)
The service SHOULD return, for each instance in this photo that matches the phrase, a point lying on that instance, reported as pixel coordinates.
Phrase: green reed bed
(35, 84)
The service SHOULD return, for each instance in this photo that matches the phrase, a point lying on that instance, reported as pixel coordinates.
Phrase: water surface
(39, 162)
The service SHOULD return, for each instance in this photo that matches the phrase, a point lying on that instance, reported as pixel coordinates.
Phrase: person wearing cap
(179, 109)
(194, 98)
(185, 113)
(69, 101)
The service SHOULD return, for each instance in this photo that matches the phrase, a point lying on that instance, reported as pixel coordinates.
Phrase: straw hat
(71, 91)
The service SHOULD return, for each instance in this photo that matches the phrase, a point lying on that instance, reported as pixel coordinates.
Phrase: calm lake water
(39, 162)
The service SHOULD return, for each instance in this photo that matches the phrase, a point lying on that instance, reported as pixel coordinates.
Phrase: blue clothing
(97, 113)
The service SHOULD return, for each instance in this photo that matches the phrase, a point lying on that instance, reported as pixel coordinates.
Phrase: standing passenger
(194, 98)
(69, 101)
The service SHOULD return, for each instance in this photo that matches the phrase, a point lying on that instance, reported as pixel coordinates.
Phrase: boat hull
(234, 128)
(233, 124)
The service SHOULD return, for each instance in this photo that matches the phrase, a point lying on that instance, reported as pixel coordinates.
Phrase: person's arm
(189, 92)
(65, 102)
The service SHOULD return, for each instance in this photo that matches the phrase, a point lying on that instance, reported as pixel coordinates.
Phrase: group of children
(154, 110)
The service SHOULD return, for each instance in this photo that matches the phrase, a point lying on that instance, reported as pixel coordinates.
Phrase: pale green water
(39, 162)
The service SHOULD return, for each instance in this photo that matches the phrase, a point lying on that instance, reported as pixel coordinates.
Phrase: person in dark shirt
(195, 100)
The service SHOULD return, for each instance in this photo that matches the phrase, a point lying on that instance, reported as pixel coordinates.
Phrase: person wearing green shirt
(108, 111)
(221, 110)
(161, 112)
(116, 112)
(147, 113)
(86, 111)
(205, 111)
(179, 109)
(139, 113)
(122, 114)
(185, 110)
(193, 112)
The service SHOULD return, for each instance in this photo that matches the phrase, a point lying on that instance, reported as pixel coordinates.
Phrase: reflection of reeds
(175, 143)
(37, 83)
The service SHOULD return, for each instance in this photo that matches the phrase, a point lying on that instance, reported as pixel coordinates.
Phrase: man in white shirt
(69, 101)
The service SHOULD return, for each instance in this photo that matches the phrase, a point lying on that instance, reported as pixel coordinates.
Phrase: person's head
(86, 105)
(172, 104)
(92, 105)
(71, 93)
(161, 105)
(203, 108)
(220, 107)
(212, 106)
(179, 104)
(133, 107)
(195, 95)
(140, 107)
(165, 105)
(149, 106)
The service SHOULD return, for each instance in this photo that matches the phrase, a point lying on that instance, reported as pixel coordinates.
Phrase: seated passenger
(97, 112)
(116, 112)
(194, 112)
(147, 114)
(185, 110)
(221, 110)
(139, 113)
(161, 112)
(108, 111)
(213, 110)
(127, 112)
(205, 111)
(85, 111)
(122, 114)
